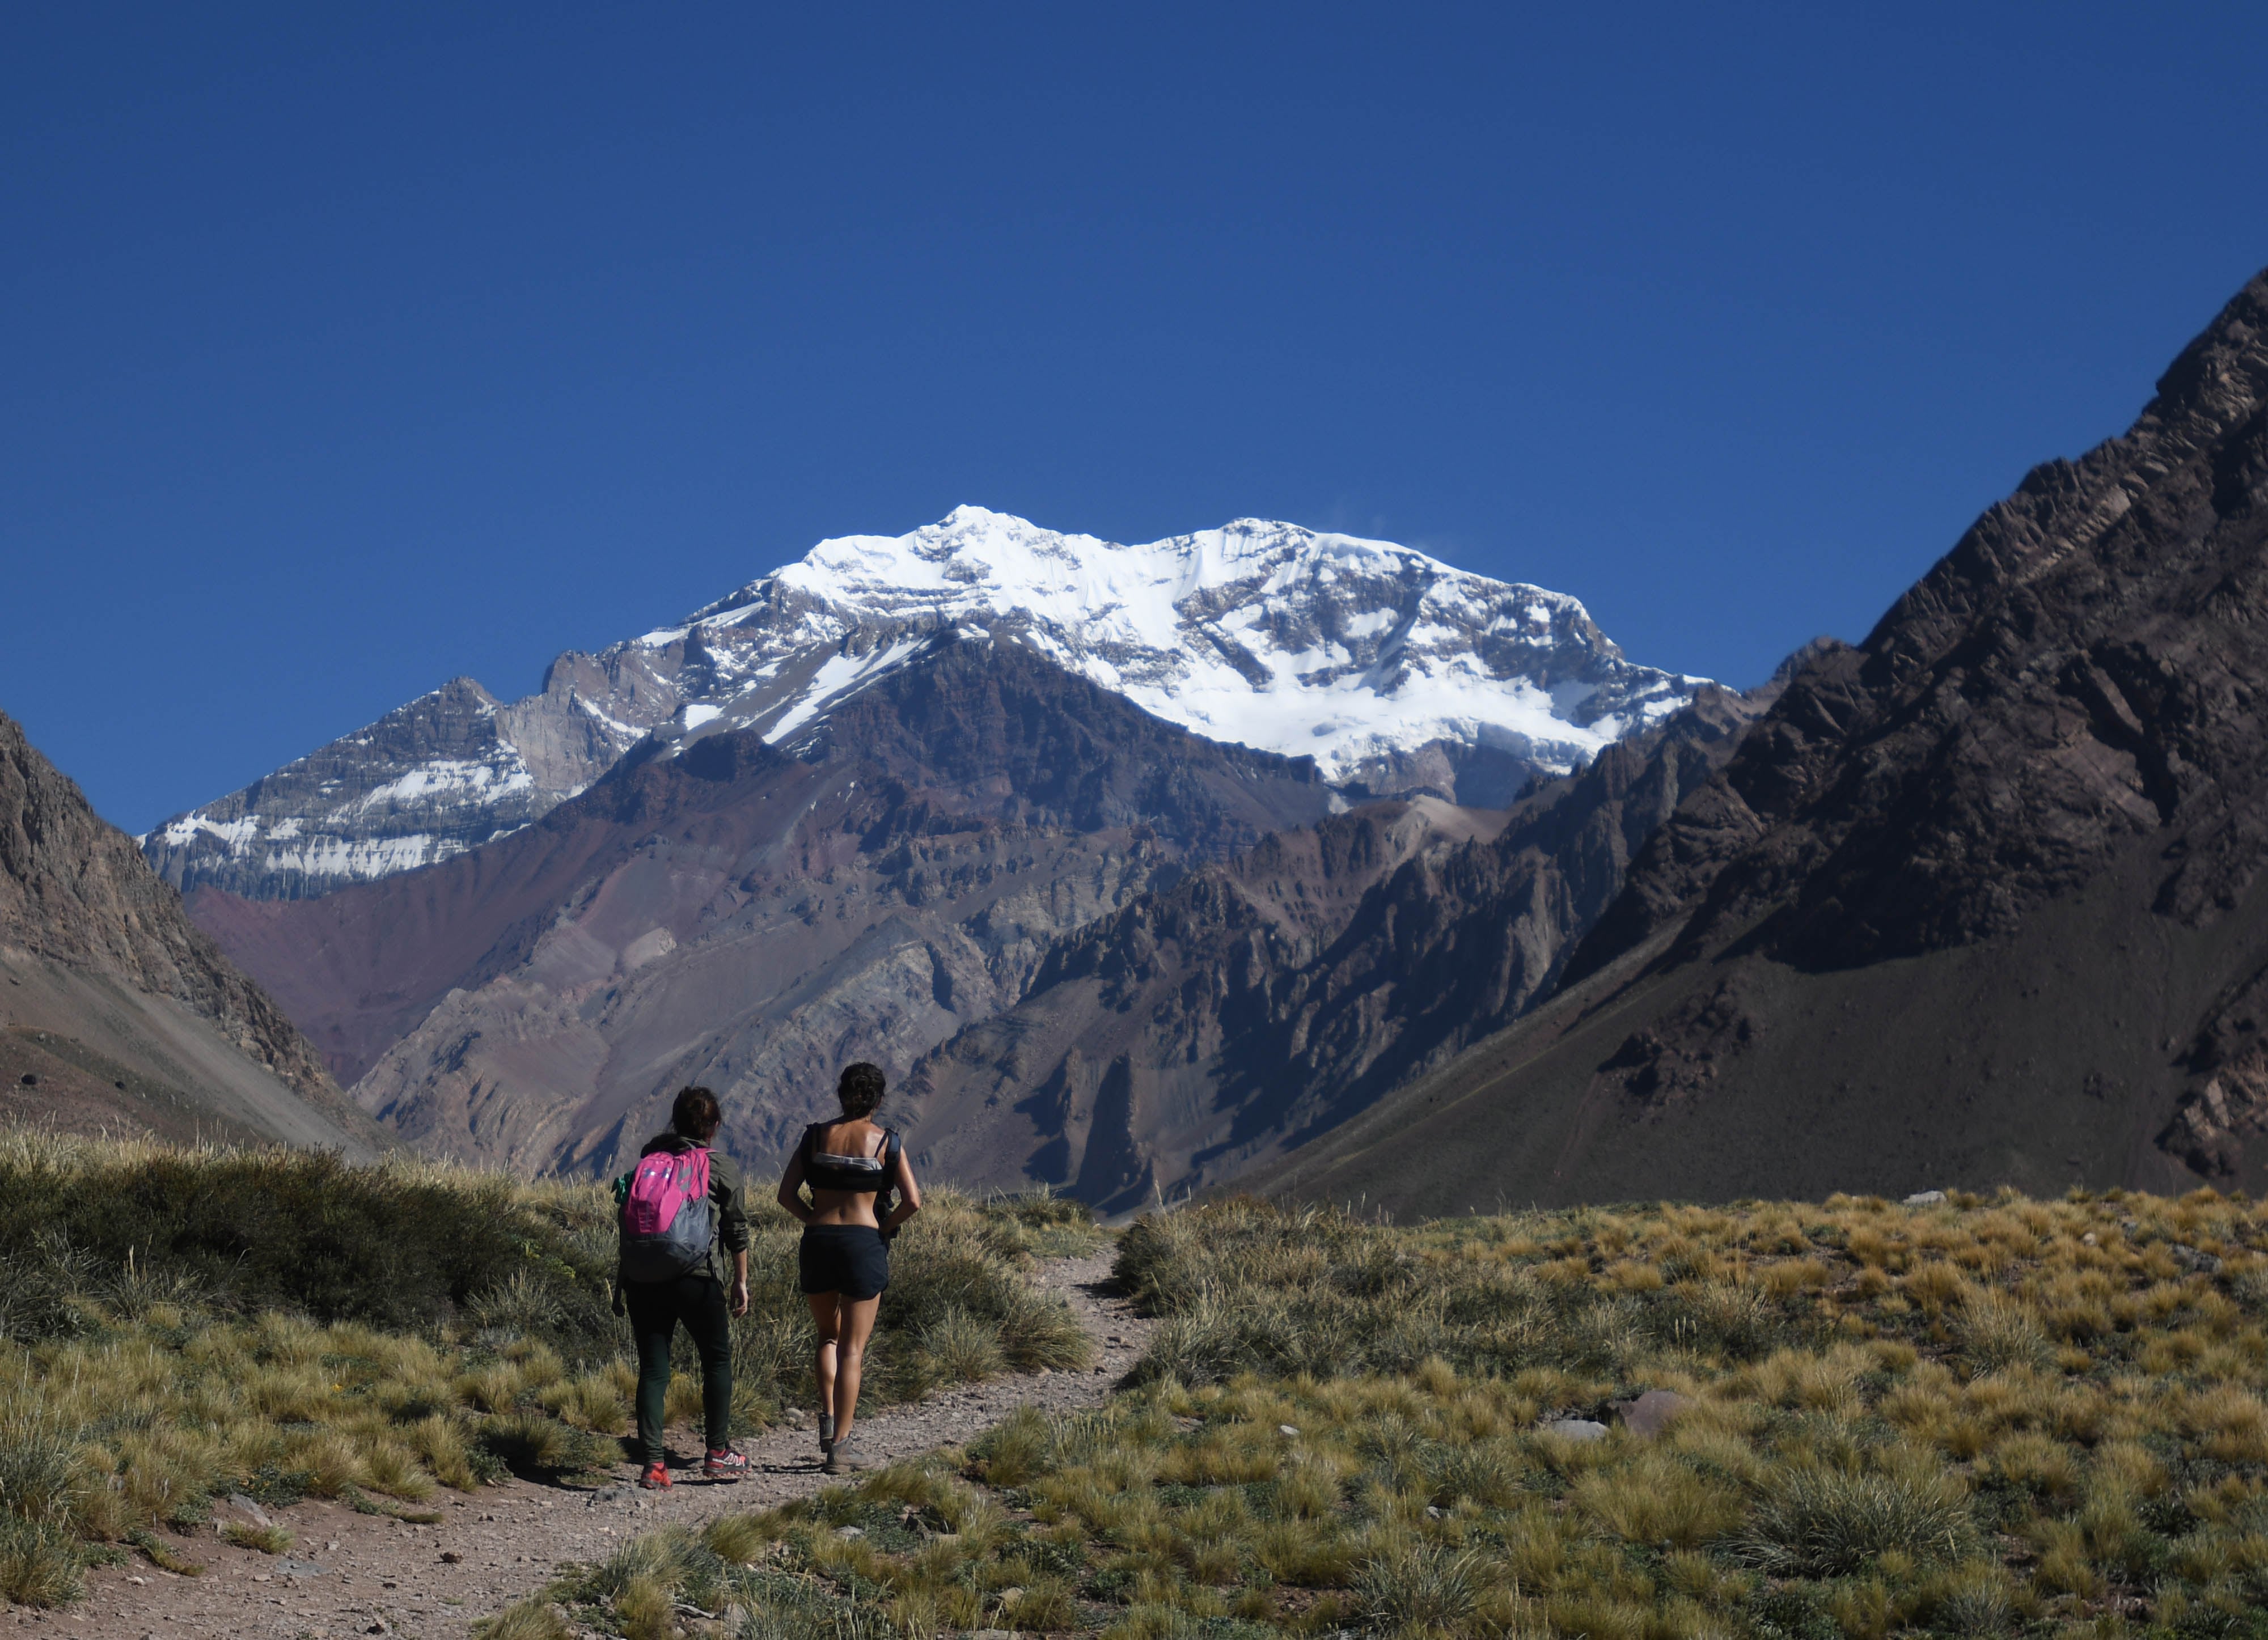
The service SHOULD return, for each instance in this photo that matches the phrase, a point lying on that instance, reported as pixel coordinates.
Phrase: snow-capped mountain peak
(1309, 643)
(1393, 669)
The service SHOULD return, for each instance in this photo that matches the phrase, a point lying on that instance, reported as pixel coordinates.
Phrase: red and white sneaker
(722, 1463)
(655, 1478)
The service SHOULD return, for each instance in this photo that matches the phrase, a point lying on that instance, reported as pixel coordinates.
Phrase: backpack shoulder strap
(886, 1199)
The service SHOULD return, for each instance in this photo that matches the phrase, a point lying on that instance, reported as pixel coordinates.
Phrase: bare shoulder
(848, 1136)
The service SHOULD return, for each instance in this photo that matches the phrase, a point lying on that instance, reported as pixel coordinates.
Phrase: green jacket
(727, 1195)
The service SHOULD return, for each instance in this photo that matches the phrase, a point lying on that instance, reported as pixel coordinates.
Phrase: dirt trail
(350, 1574)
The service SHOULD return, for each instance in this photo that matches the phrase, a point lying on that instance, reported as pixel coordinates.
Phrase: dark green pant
(656, 1308)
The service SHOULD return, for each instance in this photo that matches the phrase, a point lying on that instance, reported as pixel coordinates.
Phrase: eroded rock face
(2084, 671)
(1980, 900)
(103, 968)
(430, 780)
(1682, 1058)
(1397, 673)
(749, 916)
(2080, 681)
(1214, 1025)
(2229, 1109)
(72, 889)
(1105, 1079)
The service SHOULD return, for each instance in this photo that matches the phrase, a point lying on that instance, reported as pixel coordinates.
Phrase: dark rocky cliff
(1210, 1025)
(1979, 899)
(106, 973)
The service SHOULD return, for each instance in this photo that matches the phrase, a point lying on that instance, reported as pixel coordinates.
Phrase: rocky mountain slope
(117, 1009)
(751, 908)
(1396, 673)
(1220, 1021)
(1981, 900)
(428, 781)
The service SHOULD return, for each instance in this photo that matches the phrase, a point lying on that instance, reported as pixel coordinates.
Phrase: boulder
(1575, 1429)
(1652, 1412)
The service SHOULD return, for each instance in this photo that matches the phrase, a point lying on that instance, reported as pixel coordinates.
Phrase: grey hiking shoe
(826, 1433)
(844, 1458)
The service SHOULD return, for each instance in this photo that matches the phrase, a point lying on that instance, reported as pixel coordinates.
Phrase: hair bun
(860, 1089)
(696, 1115)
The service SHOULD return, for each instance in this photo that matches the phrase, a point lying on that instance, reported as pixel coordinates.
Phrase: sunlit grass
(168, 1336)
(1984, 1417)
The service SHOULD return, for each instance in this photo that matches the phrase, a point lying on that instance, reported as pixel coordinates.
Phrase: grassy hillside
(1976, 1417)
(181, 1324)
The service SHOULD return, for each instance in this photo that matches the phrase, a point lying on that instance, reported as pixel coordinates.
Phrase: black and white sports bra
(824, 1171)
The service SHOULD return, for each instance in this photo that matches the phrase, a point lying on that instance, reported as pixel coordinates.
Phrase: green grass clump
(41, 1561)
(1040, 1223)
(267, 1539)
(535, 1443)
(1419, 1590)
(162, 1555)
(1985, 1418)
(177, 1324)
(1826, 1522)
(528, 1619)
(399, 1247)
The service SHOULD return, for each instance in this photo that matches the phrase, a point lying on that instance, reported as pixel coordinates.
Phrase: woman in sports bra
(851, 1166)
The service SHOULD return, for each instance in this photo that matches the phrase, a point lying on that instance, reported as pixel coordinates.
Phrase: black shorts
(851, 1259)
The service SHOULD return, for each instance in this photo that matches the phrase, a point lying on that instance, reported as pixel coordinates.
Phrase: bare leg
(826, 1315)
(854, 1324)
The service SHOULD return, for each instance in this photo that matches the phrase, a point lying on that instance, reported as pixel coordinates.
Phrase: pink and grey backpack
(667, 1222)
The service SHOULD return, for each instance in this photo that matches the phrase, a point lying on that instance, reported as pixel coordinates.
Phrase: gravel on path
(350, 1574)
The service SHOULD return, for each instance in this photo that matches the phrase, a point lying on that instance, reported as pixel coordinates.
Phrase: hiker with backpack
(684, 1212)
(862, 1192)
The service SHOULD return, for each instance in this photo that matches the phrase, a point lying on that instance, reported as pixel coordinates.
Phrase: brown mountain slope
(1218, 1022)
(1104, 1078)
(1979, 900)
(117, 1010)
(751, 915)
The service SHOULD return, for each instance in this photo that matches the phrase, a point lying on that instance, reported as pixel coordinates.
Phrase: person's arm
(620, 1305)
(733, 1234)
(790, 1188)
(909, 1196)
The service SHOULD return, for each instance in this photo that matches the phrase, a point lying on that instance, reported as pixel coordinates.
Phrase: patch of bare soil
(49, 1080)
(350, 1574)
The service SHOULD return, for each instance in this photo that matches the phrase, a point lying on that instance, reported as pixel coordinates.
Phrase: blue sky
(345, 349)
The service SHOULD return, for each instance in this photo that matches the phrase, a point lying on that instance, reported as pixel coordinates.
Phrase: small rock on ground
(1575, 1429)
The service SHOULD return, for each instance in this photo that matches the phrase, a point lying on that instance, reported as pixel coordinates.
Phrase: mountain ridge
(1220, 1021)
(1977, 902)
(1397, 673)
(117, 1008)
(748, 912)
